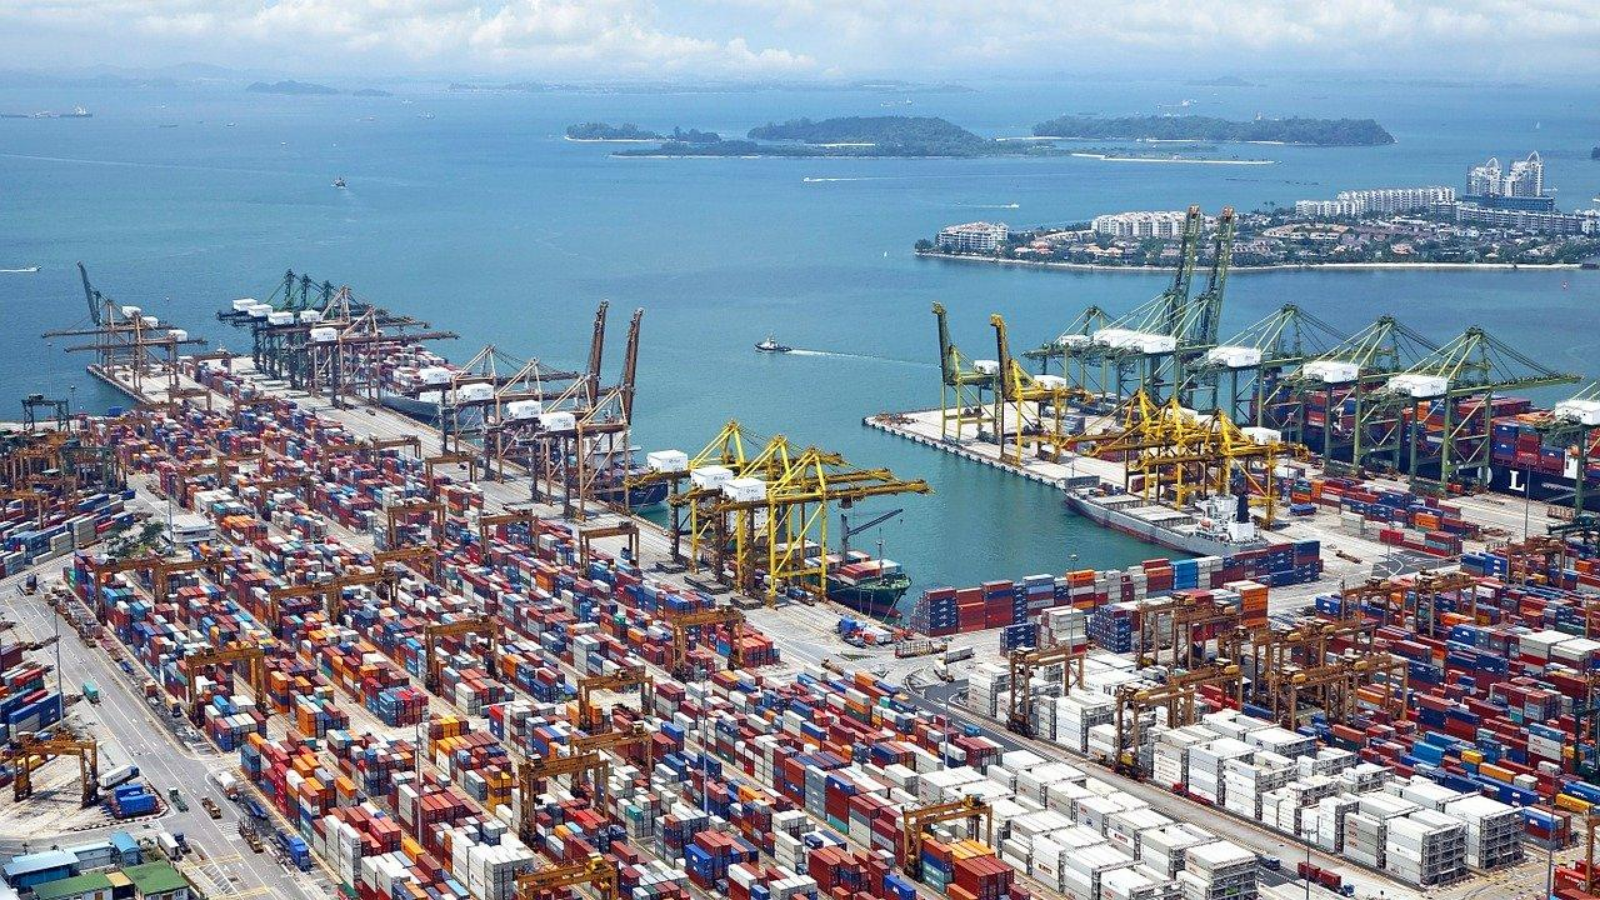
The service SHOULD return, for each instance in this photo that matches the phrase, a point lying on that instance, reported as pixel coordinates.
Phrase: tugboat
(771, 345)
(338, 182)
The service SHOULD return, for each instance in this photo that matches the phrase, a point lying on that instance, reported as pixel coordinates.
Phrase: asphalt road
(130, 731)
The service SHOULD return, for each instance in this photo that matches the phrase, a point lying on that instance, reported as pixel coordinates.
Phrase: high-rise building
(1484, 180)
(1525, 178)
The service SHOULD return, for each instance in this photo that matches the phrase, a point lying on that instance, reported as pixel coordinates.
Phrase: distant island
(629, 132)
(849, 136)
(889, 135)
(930, 136)
(887, 86)
(1275, 237)
(1316, 132)
(301, 88)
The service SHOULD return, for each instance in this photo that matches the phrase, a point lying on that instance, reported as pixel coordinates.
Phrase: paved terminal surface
(804, 633)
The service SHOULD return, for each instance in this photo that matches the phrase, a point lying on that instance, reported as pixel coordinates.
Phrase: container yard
(402, 606)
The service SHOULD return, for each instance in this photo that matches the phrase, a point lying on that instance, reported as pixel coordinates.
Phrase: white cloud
(639, 38)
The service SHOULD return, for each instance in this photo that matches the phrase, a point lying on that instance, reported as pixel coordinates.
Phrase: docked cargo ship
(867, 584)
(1220, 526)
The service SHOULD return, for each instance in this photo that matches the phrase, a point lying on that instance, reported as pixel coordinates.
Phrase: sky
(808, 39)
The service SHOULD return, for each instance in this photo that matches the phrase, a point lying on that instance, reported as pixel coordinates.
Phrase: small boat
(338, 182)
(771, 345)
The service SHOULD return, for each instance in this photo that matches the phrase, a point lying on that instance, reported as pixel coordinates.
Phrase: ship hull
(1150, 533)
(1540, 486)
(880, 602)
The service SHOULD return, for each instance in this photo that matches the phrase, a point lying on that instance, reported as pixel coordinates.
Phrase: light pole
(1527, 501)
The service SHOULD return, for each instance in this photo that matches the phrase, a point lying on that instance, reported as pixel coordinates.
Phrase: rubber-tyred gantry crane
(487, 627)
(916, 820)
(535, 769)
(1023, 662)
(597, 874)
(621, 680)
(252, 656)
(682, 622)
(28, 752)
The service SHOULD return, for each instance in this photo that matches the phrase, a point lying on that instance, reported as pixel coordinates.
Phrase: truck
(957, 654)
(171, 844)
(91, 692)
(248, 832)
(211, 807)
(177, 800)
(119, 775)
(226, 783)
(295, 850)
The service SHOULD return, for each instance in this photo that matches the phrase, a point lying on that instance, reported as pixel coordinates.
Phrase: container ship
(1520, 463)
(1220, 526)
(866, 584)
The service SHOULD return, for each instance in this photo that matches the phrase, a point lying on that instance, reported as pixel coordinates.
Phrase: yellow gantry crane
(1038, 403)
(535, 769)
(252, 656)
(1177, 454)
(758, 508)
(962, 386)
(490, 521)
(1177, 695)
(681, 622)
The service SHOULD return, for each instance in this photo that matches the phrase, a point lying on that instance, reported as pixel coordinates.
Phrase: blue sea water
(485, 221)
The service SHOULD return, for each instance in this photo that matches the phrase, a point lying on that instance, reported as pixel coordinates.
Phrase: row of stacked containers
(941, 612)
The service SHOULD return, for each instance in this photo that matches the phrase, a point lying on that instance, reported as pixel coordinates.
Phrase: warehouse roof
(155, 878)
(76, 886)
(39, 862)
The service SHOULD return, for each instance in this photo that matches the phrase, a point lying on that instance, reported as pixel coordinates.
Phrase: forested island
(930, 136)
(627, 131)
(862, 136)
(1316, 132)
(301, 88)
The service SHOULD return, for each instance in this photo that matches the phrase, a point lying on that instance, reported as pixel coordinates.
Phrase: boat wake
(27, 271)
(993, 205)
(810, 180)
(866, 357)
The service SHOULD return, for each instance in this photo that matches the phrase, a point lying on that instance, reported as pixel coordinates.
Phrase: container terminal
(267, 629)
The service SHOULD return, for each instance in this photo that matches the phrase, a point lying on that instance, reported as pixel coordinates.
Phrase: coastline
(612, 140)
(1240, 270)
